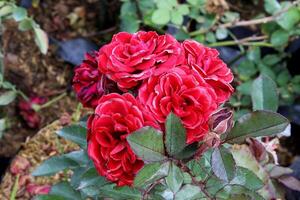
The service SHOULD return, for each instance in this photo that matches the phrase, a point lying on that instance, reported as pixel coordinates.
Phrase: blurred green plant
(9, 92)
(9, 10)
(262, 81)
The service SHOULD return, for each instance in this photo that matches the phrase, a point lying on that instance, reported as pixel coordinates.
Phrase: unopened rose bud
(212, 139)
(221, 121)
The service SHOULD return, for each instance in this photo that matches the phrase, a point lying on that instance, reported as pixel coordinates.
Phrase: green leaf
(272, 6)
(150, 173)
(176, 18)
(201, 168)
(210, 37)
(26, 24)
(76, 176)
(161, 16)
(245, 88)
(175, 135)
(54, 164)
(264, 94)
(267, 71)
(256, 124)
(272, 59)
(174, 179)
(189, 192)
(221, 33)
(246, 69)
(79, 156)
(2, 126)
(41, 40)
(235, 191)
(289, 19)
(6, 10)
(166, 4)
(147, 143)
(129, 23)
(183, 9)
(65, 190)
(187, 152)
(223, 164)
(254, 54)
(279, 37)
(214, 184)
(247, 178)
(7, 97)
(19, 13)
(74, 133)
(91, 177)
(283, 78)
(48, 197)
(128, 17)
(110, 191)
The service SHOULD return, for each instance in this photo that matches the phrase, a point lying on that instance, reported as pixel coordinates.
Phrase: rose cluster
(137, 80)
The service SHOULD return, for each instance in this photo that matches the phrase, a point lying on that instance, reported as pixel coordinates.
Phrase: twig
(246, 22)
(195, 182)
(146, 192)
(105, 31)
(259, 21)
(37, 107)
(249, 41)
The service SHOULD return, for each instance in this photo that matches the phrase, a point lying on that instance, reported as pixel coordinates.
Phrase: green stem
(15, 189)
(232, 43)
(24, 96)
(49, 103)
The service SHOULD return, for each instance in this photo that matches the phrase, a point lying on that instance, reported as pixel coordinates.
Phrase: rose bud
(221, 121)
(212, 139)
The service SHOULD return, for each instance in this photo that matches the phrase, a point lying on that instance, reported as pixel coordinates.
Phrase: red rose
(184, 92)
(130, 58)
(31, 117)
(115, 117)
(206, 62)
(89, 84)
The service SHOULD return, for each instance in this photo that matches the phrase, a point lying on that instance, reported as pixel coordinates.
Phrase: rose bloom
(130, 58)
(115, 117)
(207, 63)
(89, 84)
(185, 93)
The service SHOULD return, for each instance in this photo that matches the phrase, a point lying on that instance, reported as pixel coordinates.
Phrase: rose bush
(186, 78)
(165, 136)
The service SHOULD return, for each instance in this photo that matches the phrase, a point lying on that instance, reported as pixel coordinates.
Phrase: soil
(44, 144)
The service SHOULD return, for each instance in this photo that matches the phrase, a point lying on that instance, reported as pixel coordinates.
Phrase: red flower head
(31, 117)
(207, 63)
(130, 58)
(89, 84)
(115, 117)
(184, 92)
